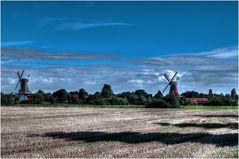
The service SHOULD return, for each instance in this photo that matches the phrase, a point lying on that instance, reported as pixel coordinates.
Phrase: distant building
(198, 100)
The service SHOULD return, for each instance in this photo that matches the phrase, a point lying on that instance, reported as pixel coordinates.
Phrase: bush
(106, 91)
(60, 95)
(159, 103)
(8, 99)
(184, 101)
(37, 98)
(109, 101)
(173, 100)
(118, 101)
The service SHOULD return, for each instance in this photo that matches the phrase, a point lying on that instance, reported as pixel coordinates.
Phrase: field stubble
(115, 132)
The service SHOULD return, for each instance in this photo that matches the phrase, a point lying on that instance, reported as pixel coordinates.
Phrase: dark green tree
(96, 95)
(172, 100)
(210, 94)
(106, 91)
(227, 100)
(233, 93)
(124, 94)
(37, 98)
(60, 95)
(190, 94)
(141, 92)
(82, 94)
(159, 103)
(216, 100)
(48, 98)
(40, 92)
(158, 94)
(8, 99)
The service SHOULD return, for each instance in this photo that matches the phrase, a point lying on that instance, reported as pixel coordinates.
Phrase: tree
(124, 94)
(37, 98)
(96, 95)
(60, 95)
(106, 91)
(8, 99)
(158, 94)
(40, 92)
(141, 97)
(119, 101)
(48, 98)
(184, 101)
(216, 100)
(190, 94)
(141, 92)
(234, 97)
(210, 94)
(227, 100)
(173, 100)
(233, 93)
(159, 103)
(82, 94)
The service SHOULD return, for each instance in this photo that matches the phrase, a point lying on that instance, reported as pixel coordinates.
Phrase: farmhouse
(198, 100)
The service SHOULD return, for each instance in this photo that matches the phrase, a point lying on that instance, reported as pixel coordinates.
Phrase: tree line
(107, 97)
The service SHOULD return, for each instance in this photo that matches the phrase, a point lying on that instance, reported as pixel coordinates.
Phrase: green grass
(208, 107)
(119, 106)
(81, 105)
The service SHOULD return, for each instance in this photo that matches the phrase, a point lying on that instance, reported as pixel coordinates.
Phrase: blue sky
(127, 44)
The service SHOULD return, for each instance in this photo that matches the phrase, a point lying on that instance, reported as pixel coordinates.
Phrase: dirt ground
(109, 132)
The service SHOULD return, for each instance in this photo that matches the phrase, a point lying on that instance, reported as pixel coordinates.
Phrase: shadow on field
(219, 116)
(203, 125)
(135, 137)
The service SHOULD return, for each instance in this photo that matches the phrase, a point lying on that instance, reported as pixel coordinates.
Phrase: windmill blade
(18, 74)
(166, 87)
(17, 85)
(22, 74)
(29, 77)
(169, 82)
(166, 76)
(174, 76)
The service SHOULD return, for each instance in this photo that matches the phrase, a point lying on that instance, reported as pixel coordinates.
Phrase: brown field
(112, 132)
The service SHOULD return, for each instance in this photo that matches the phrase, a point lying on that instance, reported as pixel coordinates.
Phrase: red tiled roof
(198, 99)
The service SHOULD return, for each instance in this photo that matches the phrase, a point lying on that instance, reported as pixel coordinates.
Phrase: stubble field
(117, 132)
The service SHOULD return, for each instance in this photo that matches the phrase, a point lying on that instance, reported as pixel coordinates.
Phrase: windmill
(172, 83)
(24, 93)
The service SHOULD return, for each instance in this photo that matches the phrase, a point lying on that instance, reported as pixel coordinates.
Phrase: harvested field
(115, 132)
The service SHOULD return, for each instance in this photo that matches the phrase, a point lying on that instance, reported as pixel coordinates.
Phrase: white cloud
(75, 26)
(90, 82)
(162, 78)
(14, 43)
(137, 81)
(47, 80)
(171, 73)
(196, 72)
(12, 80)
(223, 53)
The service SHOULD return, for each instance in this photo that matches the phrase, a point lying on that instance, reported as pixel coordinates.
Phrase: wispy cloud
(223, 53)
(81, 26)
(15, 43)
(59, 24)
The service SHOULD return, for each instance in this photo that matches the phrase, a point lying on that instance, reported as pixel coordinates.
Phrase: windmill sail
(172, 83)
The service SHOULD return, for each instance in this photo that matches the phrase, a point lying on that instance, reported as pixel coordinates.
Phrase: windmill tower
(172, 83)
(24, 93)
